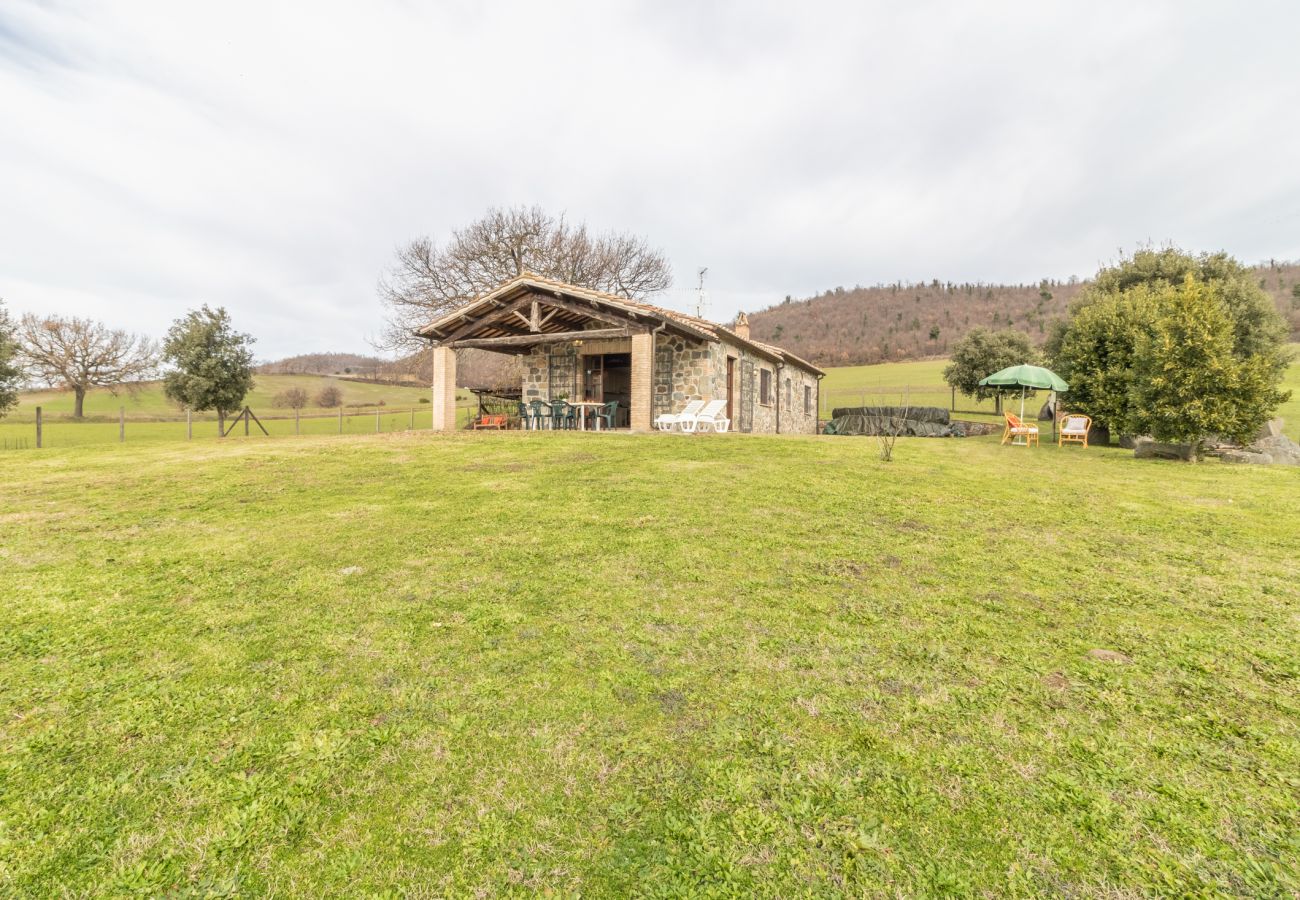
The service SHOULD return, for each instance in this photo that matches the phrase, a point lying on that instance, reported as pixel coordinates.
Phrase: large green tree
(211, 363)
(1095, 352)
(980, 353)
(11, 373)
(1188, 380)
(1101, 350)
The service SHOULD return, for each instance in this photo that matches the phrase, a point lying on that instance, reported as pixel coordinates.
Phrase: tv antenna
(701, 299)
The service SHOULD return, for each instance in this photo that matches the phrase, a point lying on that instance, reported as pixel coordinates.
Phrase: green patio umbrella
(1027, 377)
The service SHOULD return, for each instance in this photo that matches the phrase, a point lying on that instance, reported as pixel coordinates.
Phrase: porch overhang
(524, 343)
(530, 311)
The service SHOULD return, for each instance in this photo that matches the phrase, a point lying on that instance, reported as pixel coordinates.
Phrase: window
(765, 387)
(807, 400)
(788, 402)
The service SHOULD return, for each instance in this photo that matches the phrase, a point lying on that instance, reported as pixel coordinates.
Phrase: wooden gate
(745, 415)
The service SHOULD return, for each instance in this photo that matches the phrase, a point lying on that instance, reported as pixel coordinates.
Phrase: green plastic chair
(539, 415)
(608, 412)
(561, 414)
(525, 417)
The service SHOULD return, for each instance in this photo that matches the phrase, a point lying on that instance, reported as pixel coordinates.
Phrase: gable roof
(688, 325)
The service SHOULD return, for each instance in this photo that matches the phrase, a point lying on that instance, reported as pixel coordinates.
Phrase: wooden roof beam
(528, 340)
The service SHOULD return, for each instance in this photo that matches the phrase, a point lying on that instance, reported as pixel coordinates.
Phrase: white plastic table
(582, 413)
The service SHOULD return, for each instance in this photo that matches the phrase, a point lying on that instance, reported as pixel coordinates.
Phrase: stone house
(580, 344)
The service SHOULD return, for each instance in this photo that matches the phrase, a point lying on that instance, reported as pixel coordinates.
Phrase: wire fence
(47, 431)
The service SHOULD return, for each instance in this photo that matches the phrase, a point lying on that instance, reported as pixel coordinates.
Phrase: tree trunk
(221, 423)
(80, 401)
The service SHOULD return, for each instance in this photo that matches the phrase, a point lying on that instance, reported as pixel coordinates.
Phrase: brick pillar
(643, 356)
(444, 389)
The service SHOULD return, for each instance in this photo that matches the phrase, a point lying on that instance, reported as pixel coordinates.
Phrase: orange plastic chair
(490, 422)
(1074, 430)
(1016, 428)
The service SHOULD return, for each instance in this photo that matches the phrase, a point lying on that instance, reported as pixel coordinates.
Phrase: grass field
(922, 382)
(667, 666)
(152, 417)
(61, 433)
(148, 402)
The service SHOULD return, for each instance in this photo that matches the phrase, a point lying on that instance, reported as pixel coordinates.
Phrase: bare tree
(426, 281)
(329, 397)
(891, 426)
(79, 354)
(291, 398)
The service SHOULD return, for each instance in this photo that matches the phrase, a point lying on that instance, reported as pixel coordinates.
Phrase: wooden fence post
(340, 420)
(121, 424)
(295, 421)
(38, 428)
(189, 424)
(376, 420)
(412, 428)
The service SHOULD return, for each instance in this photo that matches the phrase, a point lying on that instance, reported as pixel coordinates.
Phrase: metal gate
(745, 414)
(562, 375)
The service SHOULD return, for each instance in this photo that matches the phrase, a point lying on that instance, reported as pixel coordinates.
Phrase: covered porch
(579, 350)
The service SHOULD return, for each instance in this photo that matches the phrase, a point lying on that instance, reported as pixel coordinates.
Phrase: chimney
(741, 328)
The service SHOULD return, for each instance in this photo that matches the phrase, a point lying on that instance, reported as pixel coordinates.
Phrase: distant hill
(325, 364)
(476, 368)
(889, 322)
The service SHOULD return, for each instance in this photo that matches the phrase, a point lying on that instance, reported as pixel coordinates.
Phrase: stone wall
(699, 372)
(687, 369)
(536, 364)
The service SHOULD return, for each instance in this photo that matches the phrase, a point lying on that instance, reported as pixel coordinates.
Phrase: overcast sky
(269, 156)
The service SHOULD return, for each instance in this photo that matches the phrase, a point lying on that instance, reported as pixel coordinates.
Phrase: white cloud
(268, 157)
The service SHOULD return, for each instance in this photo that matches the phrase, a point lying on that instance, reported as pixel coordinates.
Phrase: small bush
(329, 397)
(424, 399)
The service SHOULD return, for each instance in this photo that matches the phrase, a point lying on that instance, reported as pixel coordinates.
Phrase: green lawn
(662, 665)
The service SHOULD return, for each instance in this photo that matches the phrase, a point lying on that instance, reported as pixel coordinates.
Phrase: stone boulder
(1270, 429)
(1246, 456)
(1146, 448)
(1129, 441)
(1278, 450)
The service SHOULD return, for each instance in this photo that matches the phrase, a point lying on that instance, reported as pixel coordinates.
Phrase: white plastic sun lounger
(669, 421)
(710, 417)
(714, 420)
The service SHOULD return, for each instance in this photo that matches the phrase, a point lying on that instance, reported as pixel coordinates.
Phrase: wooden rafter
(527, 340)
(495, 316)
(535, 319)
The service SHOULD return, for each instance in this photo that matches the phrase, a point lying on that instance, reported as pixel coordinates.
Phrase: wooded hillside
(899, 321)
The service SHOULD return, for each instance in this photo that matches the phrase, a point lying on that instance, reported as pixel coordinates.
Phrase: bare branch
(79, 354)
(426, 280)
